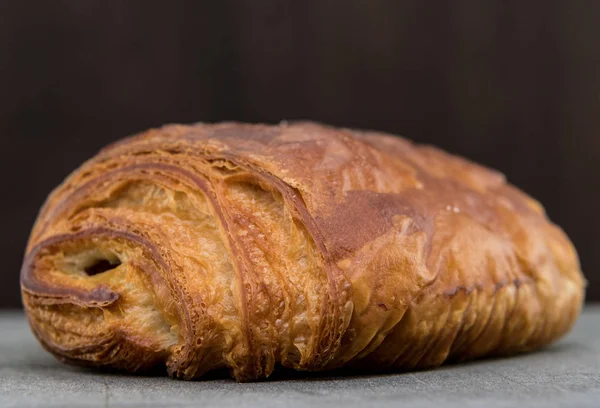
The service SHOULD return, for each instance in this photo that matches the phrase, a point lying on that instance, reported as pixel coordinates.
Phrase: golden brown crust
(246, 246)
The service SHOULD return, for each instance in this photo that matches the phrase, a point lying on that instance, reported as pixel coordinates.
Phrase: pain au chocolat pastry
(251, 246)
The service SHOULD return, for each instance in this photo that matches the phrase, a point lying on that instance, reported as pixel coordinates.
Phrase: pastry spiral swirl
(250, 246)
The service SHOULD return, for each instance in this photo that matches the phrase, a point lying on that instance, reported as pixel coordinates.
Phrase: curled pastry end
(48, 286)
(82, 295)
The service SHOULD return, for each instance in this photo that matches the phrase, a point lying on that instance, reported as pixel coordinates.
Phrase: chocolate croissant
(245, 247)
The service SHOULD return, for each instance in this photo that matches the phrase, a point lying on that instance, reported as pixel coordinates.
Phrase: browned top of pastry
(342, 177)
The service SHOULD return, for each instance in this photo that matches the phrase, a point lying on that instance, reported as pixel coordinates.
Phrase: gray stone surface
(566, 374)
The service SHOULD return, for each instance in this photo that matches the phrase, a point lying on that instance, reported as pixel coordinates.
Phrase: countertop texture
(565, 374)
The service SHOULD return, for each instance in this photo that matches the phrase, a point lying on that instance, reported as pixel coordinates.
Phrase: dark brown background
(512, 84)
